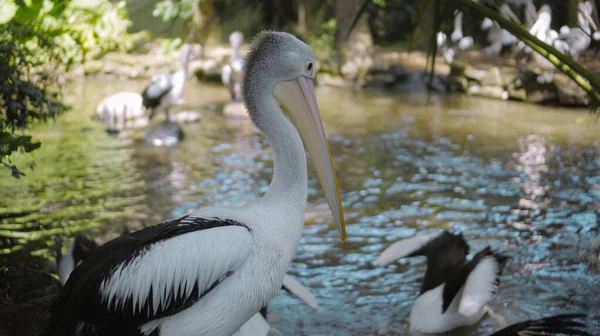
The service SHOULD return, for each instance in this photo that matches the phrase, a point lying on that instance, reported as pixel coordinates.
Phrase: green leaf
(28, 14)
(8, 9)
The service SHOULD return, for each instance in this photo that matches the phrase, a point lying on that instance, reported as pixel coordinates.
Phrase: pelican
(580, 38)
(455, 291)
(121, 110)
(563, 324)
(231, 73)
(81, 248)
(258, 325)
(166, 90)
(501, 40)
(458, 42)
(209, 272)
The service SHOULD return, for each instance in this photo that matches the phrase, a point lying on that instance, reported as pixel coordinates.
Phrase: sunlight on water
(521, 178)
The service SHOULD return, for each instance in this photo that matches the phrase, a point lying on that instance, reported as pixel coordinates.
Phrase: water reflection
(521, 178)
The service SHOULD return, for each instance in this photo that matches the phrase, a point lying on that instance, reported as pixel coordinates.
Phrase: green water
(521, 178)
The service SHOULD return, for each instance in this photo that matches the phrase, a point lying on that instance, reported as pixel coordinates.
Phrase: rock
(207, 70)
(25, 299)
(457, 84)
(235, 110)
(166, 133)
(186, 117)
(492, 77)
(488, 91)
(569, 93)
(517, 94)
(93, 67)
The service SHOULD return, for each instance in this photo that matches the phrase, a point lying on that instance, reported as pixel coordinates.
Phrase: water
(520, 178)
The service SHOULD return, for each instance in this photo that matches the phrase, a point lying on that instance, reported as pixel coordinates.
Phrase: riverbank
(391, 68)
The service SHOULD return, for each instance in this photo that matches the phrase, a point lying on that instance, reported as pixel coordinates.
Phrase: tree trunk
(302, 16)
(573, 13)
(354, 53)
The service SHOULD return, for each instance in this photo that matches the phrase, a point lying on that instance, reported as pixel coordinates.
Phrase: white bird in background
(231, 72)
(500, 39)
(258, 325)
(121, 110)
(579, 39)
(458, 42)
(209, 272)
(166, 89)
(455, 291)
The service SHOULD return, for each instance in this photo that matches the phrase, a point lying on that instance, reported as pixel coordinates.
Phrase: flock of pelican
(570, 41)
(214, 271)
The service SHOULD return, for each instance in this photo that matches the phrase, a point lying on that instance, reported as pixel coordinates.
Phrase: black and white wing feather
(566, 324)
(148, 274)
(479, 279)
(406, 248)
(161, 85)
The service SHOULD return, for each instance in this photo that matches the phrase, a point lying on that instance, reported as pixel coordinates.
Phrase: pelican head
(281, 67)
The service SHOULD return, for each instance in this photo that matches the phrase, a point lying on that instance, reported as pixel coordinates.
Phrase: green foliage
(169, 10)
(38, 40)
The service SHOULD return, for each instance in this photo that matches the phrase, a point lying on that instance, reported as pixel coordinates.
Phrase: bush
(38, 40)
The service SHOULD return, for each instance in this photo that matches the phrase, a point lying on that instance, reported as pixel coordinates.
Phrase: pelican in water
(579, 39)
(231, 72)
(166, 90)
(209, 272)
(455, 292)
(258, 325)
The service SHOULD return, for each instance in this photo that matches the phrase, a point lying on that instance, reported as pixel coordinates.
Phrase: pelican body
(458, 42)
(455, 291)
(81, 248)
(209, 272)
(258, 325)
(166, 89)
(231, 72)
(579, 39)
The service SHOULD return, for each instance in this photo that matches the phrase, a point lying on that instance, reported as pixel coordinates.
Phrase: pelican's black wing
(566, 324)
(148, 274)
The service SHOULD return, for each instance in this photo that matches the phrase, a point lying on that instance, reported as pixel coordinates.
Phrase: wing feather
(405, 248)
(151, 273)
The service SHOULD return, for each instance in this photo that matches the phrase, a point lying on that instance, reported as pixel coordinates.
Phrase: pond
(523, 179)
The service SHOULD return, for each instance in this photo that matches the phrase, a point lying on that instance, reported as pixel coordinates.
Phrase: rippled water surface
(521, 178)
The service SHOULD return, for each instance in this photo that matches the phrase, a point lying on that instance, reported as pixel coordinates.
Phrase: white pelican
(231, 72)
(121, 110)
(166, 90)
(209, 272)
(501, 40)
(580, 38)
(258, 325)
(458, 42)
(455, 292)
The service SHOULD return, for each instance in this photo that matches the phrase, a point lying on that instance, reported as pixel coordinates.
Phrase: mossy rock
(457, 84)
(569, 93)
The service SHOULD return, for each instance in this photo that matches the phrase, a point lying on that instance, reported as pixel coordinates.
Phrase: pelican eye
(308, 66)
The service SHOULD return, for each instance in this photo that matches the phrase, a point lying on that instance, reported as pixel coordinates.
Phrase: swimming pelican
(580, 38)
(258, 325)
(209, 272)
(121, 110)
(455, 291)
(166, 90)
(231, 73)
